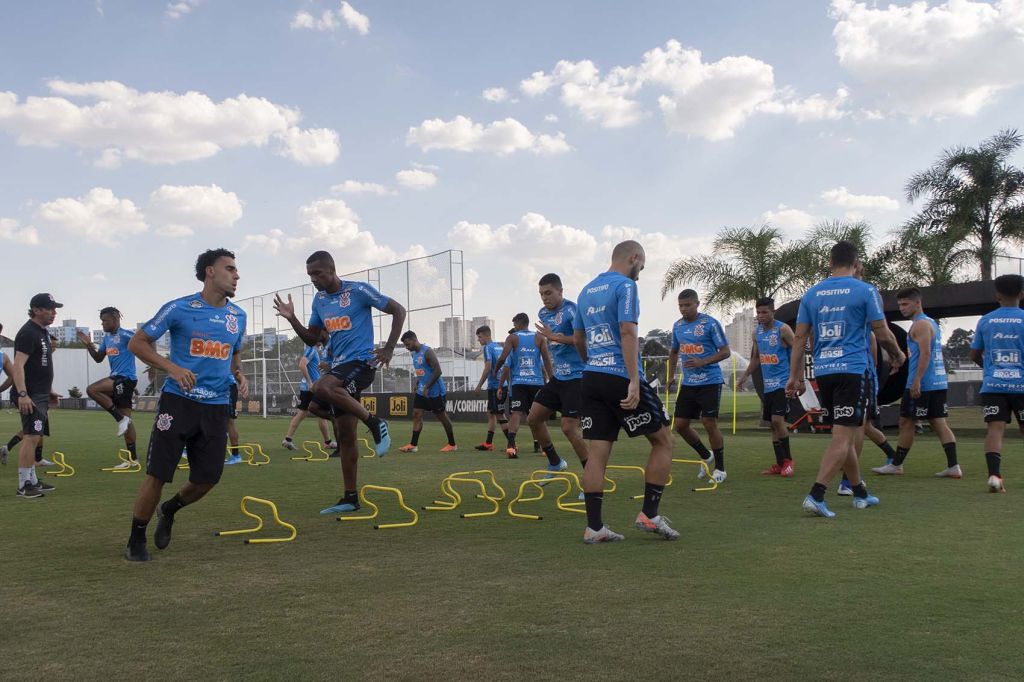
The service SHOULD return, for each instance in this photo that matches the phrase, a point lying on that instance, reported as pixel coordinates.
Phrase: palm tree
(974, 195)
(812, 254)
(928, 259)
(749, 263)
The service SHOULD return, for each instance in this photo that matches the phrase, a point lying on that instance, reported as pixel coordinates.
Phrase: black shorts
(233, 405)
(931, 405)
(182, 423)
(124, 391)
(602, 416)
(843, 399)
(356, 376)
(36, 422)
(872, 409)
(1001, 407)
(562, 396)
(495, 406)
(435, 404)
(305, 397)
(774, 404)
(522, 397)
(693, 402)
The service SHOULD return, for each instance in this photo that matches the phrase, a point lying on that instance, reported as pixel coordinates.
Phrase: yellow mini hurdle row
(65, 468)
(376, 510)
(259, 523)
(469, 477)
(126, 458)
(320, 455)
(252, 451)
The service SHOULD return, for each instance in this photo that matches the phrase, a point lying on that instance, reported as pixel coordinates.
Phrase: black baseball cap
(44, 301)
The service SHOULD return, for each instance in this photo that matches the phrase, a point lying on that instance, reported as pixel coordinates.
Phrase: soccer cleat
(773, 470)
(512, 453)
(331, 445)
(288, 444)
(787, 469)
(162, 537)
(409, 448)
(606, 534)
(658, 525)
(995, 484)
(136, 552)
(710, 461)
(889, 470)
(43, 486)
(29, 491)
(381, 437)
(888, 460)
(342, 507)
(122, 425)
(555, 468)
(865, 502)
(951, 472)
(44, 463)
(449, 448)
(812, 506)
(484, 447)
(335, 453)
(719, 476)
(3, 454)
(125, 465)
(233, 459)
(844, 489)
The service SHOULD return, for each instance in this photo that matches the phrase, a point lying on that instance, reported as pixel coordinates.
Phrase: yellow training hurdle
(65, 468)
(320, 456)
(126, 457)
(259, 524)
(376, 509)
(570, 483)
(707, 474)
(366, 442)
(638, 469)
(455, 499)
(254, 450)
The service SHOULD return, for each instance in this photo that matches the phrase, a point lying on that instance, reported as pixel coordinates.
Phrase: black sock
(131, 448)
(415, 438)
(720, 459)
(511, 437)
(553, 458)
(115, 413)
(351, 496)
(372, 422)
(39, 453)
(993, 460)
(887, 449)
(138, 533)
(779, 454)
(593, 502)
(818, 492)
(583, 463)
(950, 450)
(490, 437)
(860, 491)
(503, 425)
(652, 497)
(786, 453)
(13, 442)
(448, 432)
(700, 449)
(901, 455)
(536, 446)
(289, 439)
(845, 481)
(173, 505)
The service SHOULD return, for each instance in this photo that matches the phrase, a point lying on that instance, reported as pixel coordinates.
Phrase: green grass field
(925, 586)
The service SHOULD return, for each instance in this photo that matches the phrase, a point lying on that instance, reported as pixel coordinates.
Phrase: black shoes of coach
(162, 537)
(29, 491)
(136, 552)
(42, 486)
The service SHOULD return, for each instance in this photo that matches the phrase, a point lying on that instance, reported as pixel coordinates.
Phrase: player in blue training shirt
(615, 393)
(528, 368)
(431, 393)
(114, 394)
(309, 368)
(700, 340)
(206, 337)
(496, 409)
(925, 395)
(772, 341)
(345, 310)
(998, 346)
(557, 324)
(836, 313)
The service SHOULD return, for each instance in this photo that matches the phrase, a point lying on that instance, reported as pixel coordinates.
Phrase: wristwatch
(22, 394)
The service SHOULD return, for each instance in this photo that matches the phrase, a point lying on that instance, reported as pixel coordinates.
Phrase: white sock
(32, 474)
(24, 476)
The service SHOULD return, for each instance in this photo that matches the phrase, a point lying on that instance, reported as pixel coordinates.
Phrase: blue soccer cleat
(812, 506)
(865, 502)
(381, 437)
(233, 459)
(844, 488)
(342, 507)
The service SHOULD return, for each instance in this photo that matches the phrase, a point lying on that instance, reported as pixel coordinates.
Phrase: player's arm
(435, 367)
(887, 341)
(95, 353)
(25, 404)
(921, 332)
(755, 362)
(630, 352)
(304, 369)
(286, 309)
(142, 346)
(397, 312)
(673, 362)
(236, 371)
(579, 338)
(8, 372)
(545, 356)
(483, 375)
(511, 341)
(977, 354)
(553, 336)
(505, 374)
(795, 385)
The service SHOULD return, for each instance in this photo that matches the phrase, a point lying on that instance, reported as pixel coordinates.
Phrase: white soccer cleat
(889, 470)
(288, 445)
(951, 472)
(710, 461)
(658, 525)
(331, 445)
(606, 534)
(123, 424)
(719, 476)
(125, 465)
(995, 484)
(44, 463)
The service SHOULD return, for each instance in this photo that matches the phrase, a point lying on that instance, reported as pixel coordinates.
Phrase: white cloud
(11, 230)
(415, 179)
(950, 58)
(495, 94)
(158, 127)
(98, 216)
(331, 20)
(356, 187)
(176, 10)
(792, 221)
(840, 196)
(551, 118)
(500, 137)
(98, 277)
(813, 108)
(177, 211)
(359, 23)
(537, 84)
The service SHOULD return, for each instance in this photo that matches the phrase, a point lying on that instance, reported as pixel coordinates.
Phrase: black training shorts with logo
(931, 405)
(233, 405)
(435, 404)
(495, 406)
(562, 396)
(1002, 407)
(774, 404)
(694, 402)
(182, 423)
(602, 416)
(305, 397)
(843, 398)
(522, 397)
(355, 375)
(36, 422)
(124, 391)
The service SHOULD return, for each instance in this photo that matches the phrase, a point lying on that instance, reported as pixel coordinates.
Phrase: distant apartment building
(739, 331)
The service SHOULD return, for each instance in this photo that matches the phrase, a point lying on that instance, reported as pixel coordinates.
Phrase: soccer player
(998, 346)
(837, 311)
(32, 372)
(926, 395)
(309, 367)
(430, 392)
(615, 393)
(700, 338)
(345, 310)
(557, 324)
(772, 342)
(206, 338)
(7, 369)
(495, 408)
(528, 369)
(114, 394)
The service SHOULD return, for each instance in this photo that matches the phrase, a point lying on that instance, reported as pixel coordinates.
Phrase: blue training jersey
(701, 338)
(122, 360)
(203, 340)
(492, 351)
(565, 359)
(839, 310)
(608, 300)
(934, 378)
(774, 356)
(312, 366)
(424, 374)
(1000, 337)
(525, 361)
(347, 315)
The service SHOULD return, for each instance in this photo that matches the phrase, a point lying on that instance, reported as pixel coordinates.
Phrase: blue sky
(725, 113)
